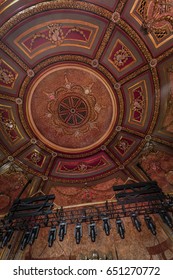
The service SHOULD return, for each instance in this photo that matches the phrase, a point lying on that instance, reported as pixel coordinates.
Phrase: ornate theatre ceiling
(85, 88)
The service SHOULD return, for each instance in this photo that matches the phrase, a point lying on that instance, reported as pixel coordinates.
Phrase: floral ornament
(6, 76)
(157, 16)
(36, 157)
(87, 195)
(56, 34)
(121, 56)
(115, 17)
(138, 104)
(153, 62)
(94, 63)
(73, 108)
(123, 145)
(8, 125)
(30, 73)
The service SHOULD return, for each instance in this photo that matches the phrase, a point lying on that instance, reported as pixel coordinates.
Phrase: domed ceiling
(85, 86)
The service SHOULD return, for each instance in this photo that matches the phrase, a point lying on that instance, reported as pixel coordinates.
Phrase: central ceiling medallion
(73, 111)
(71, 108)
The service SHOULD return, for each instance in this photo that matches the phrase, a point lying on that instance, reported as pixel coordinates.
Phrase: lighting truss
(132, 200)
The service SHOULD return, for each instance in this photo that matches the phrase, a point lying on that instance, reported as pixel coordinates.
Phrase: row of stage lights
(30, 235)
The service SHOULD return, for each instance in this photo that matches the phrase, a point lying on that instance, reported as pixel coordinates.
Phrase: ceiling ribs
(133, 132)
(53, 5)
(7, 97)
(165, 55)
(136, 73)
(11, 54)
(161, 141)
(105, 40)
(18, 151)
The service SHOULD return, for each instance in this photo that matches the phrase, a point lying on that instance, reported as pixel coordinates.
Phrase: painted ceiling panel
(56, 34)
(153, 19)
(122, 56)
(90, 167)
(164, 127)
(11, 75)
(12, 133)
(138, 93)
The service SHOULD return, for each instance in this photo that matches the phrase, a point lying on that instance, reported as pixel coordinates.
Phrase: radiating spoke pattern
(73, 110)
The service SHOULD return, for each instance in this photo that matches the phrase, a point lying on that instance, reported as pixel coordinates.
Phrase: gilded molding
(134, 74)
(157, 100)
(24, 147)
(121, 5)
(7, 97)
(49, 166)
(62, 180)
(4, 151)
(105, 175)
(165, 55)
(111, 155)
(161, 141)
(71, 58)
(13, 56)
(52, 5)
(133, 34)
(133, 132)
(138, 172)
(105, 40)
(59, 58)
(136, 153)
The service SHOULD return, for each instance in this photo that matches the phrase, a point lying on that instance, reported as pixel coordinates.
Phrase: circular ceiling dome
(71, 108)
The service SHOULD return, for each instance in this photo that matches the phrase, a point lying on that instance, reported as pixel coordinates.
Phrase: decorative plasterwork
(8, 125)
(52, 34)
(86, 167)
(155, 18)
(138, 103)
(7, 75)
(36, 158)
(121, 57)
(105, 44)
(67, 114)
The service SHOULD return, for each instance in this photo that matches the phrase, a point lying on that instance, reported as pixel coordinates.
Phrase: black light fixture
(62, 230)
(78, 232)
(25, 239)
(120, 227)
(106, 225)
(34, 234)
(1, 236)
(166, 218)
(136, 222)
(132, 200)
(92, 231)
(7, 237)
(52, 236)
(150, 224)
